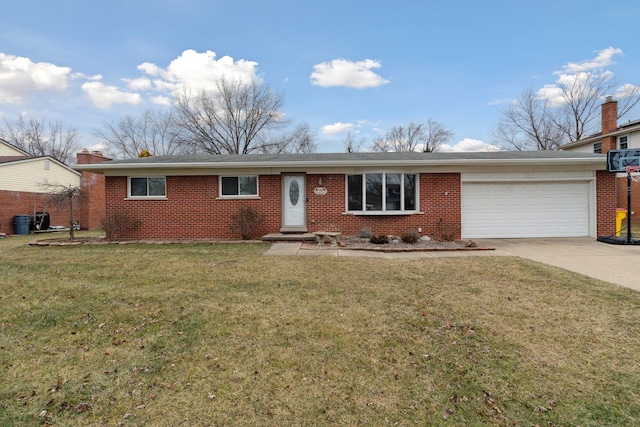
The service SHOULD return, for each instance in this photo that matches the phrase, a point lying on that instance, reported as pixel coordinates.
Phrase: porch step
(288, 237)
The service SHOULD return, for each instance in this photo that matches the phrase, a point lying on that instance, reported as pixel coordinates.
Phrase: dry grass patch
(217, 334)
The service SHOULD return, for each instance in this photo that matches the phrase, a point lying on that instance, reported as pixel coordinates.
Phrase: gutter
(304, 165)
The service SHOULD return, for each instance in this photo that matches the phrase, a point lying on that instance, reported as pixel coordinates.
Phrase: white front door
(294, 200)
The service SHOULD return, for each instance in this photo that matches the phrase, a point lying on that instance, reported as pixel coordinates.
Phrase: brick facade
(24, 203)
(605, 203)
(192, 209)
(93, 205)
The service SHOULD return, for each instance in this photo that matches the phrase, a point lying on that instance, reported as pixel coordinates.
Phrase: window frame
(597, 148)
(238, 195)
(147, 196)
(386, 210)
(625, 142)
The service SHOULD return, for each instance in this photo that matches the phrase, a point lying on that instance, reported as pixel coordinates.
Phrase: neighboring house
(26, 180)
(613, 137)
(455, 195)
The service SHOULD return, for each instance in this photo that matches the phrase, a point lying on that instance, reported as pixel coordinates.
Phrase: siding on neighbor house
(6, 150)
(192, 209)
(29, 175)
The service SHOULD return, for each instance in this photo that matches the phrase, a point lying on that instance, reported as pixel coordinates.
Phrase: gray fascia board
(452, 165)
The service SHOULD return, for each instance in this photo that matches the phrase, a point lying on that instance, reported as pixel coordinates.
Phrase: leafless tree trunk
(425, 137)
(41, 138)
(154, 131)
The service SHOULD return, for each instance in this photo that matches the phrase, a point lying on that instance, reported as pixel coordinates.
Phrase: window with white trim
(623, 143)
(148, 187)
(597, 147)
(239, 186)
(382, 192)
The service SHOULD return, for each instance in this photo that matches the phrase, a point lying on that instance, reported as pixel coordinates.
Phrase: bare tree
(436, 134)
(425, 137)
(154, 131)
(528, 124)
(237, 118)
(64, 196)
(351, 145)
(538, 122)
(39, 137)
(300, 140)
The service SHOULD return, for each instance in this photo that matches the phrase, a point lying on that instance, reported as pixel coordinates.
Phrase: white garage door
(518, 209)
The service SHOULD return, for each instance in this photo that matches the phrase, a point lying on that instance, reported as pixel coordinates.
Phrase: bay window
(381, 192)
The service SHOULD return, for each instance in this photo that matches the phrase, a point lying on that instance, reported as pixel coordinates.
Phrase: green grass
(218, 334)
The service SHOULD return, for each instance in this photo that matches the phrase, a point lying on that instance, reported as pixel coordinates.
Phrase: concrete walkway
(611, 263)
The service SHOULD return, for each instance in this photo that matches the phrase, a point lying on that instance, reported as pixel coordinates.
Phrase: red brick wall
(605, 203)
(22, 203)
(93, 204)
(192, 210)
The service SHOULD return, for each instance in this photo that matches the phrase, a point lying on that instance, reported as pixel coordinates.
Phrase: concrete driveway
(619, 264)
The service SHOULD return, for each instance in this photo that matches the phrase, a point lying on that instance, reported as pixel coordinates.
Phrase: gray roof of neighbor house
(629, 127)
(346, 160)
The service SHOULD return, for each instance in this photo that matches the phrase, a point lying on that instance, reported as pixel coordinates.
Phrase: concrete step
(288, 237)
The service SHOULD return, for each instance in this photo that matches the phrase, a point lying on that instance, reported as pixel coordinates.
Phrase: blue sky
(359, 66)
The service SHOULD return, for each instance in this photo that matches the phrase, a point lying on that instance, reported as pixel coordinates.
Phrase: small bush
(447, 232)
(379, 239)
(119, 222)
(245, 222)
(365, 233)
(410, 237)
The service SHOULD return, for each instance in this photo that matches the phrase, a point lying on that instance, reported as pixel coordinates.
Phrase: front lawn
(218, 334)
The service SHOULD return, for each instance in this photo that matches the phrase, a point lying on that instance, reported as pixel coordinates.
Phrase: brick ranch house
(457, 195)
(614, 137)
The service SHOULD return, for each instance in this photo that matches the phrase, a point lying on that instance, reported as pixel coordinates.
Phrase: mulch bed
(346, 242)
(397, 245)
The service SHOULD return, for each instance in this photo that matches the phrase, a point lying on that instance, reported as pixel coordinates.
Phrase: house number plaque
(320, 191)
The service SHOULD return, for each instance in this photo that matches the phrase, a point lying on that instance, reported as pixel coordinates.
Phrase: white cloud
(574, 74)
(602, 59)
(468, 145)
(341, 72)
(20, 78)
(336, 128)
(626, 90)
(141, 83)
(104, 96)
(161, 100)
(199, 71)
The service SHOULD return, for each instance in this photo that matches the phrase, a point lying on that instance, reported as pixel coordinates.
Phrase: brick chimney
(609, 124)
(93, 207)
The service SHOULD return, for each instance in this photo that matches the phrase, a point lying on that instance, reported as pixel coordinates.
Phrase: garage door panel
(517, 209)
